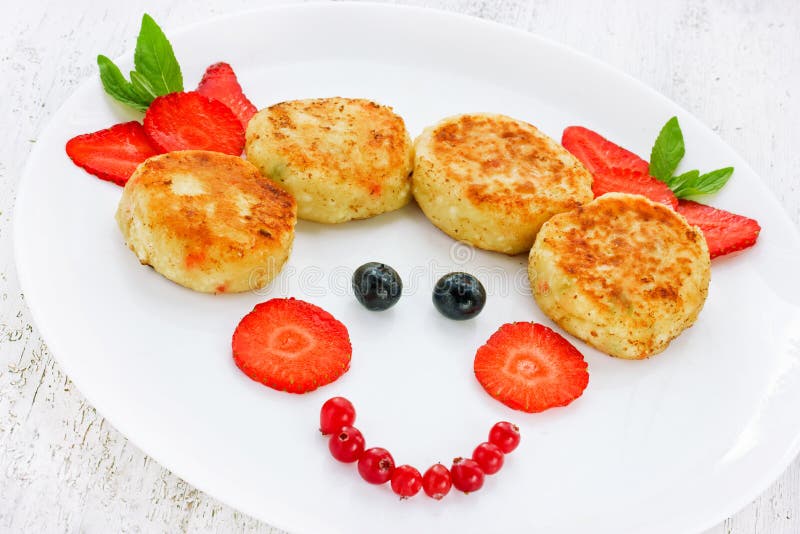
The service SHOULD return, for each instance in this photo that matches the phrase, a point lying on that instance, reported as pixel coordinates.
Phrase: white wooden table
(734, 64)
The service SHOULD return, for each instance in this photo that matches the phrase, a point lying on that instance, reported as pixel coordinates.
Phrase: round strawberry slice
(191, 121)
(291, 345)
(529, 367)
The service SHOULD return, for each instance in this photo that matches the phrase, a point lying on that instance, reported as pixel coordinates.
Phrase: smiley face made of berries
(294, 346)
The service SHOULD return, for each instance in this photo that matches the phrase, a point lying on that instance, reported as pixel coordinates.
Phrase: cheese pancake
(342, 158)
(623, 273)
(492, 181)
(207, 221)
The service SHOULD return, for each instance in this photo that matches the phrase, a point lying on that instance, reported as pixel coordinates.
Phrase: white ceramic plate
(670, 444)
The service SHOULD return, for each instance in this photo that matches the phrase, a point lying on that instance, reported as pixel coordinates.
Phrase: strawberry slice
(112, 154)
(598, 153)
(530, 367)
(291, 345)
(191, 121)
(613, 168)
(618, 180)
(725, 232)
(219, 83)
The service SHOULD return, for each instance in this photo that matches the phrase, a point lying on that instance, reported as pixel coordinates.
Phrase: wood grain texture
(733, 63)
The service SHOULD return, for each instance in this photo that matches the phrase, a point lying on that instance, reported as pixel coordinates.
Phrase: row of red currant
(376, 465)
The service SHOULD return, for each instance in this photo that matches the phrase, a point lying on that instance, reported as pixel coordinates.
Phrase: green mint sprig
(668, 152)
(156, 73)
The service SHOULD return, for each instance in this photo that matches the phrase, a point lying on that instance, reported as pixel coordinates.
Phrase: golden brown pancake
(623, 273)
(342, 158)
(207, 221)
(492, 181)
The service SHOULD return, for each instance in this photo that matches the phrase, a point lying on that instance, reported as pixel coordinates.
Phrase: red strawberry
(629, 181)
(291, 345)
(112, 154)
(191, 121)
(529, 367)
(725, 232)
(614, 168)
(598, 153)
(220, 83)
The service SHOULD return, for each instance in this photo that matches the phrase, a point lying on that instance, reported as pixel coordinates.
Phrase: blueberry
(459, 296)
(377, 286)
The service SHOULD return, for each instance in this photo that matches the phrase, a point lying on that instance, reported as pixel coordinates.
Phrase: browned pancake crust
(492, 180)
(342, 158)
(206, 220)
(628, 238)
(487, 146)
(623, 273)
(370, 125)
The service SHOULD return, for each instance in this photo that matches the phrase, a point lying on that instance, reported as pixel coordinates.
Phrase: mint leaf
(117, 86)
(157, 71)
(713, 181)
(668, 151)
(142, 87)
(683, 182)
(155, 60)
(676, 183)
(704, 184)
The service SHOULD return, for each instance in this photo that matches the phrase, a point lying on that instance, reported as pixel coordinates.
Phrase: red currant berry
(505, 435)
(406, 481)
(376, 465)
(489, 457)
(336, 413)
(437, 482)
(467, 475)
(347, 445)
